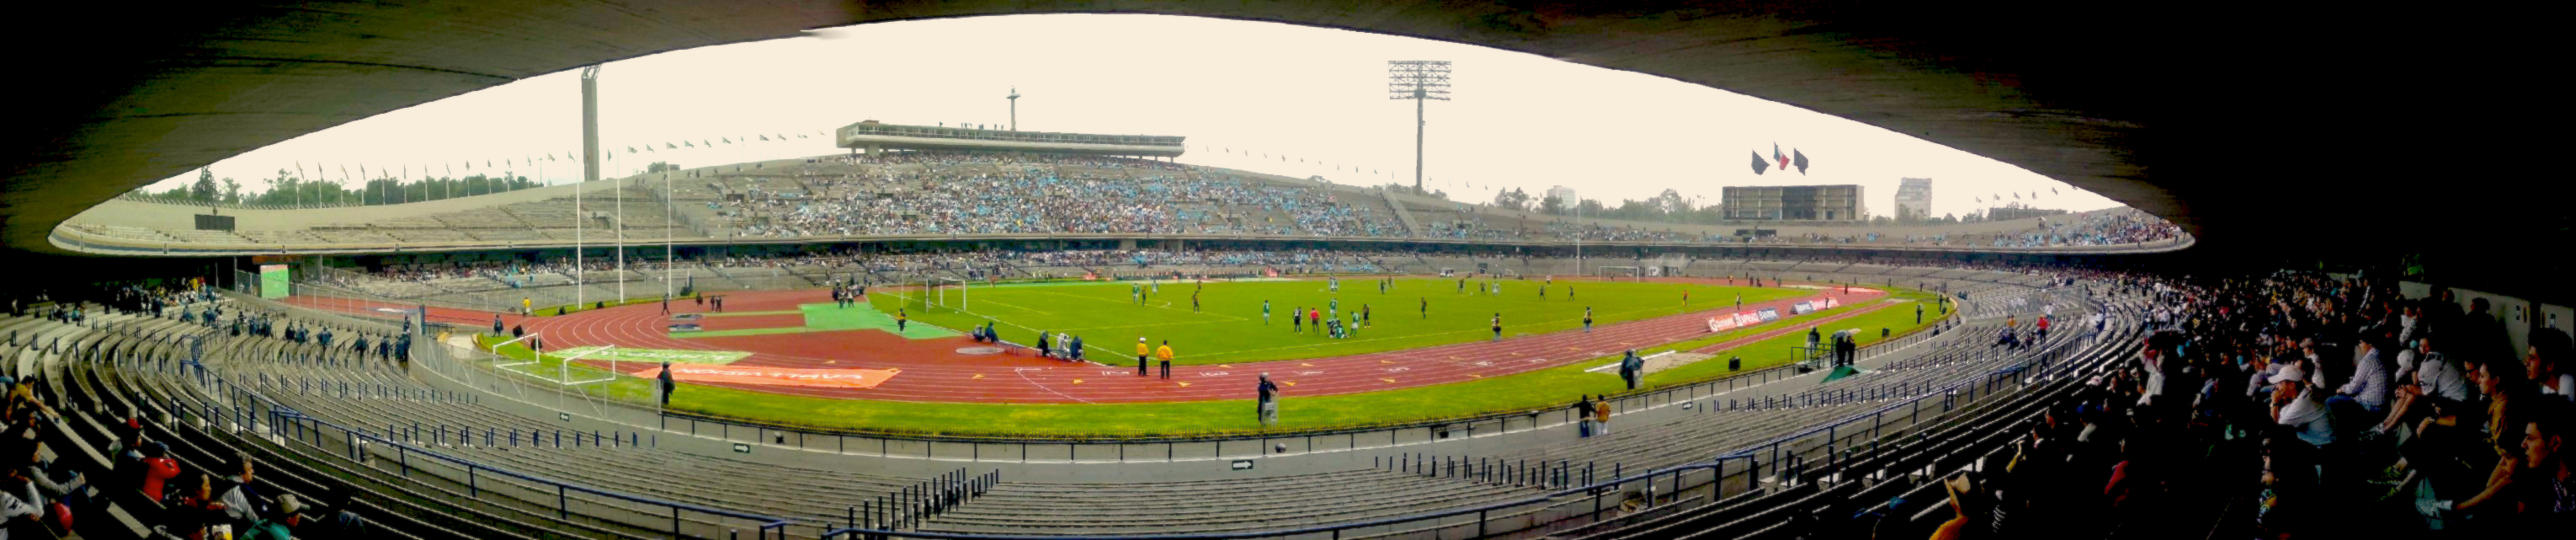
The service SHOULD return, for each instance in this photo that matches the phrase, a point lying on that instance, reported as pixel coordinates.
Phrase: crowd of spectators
(2324, 407)
(913, 193)
(2127, 226)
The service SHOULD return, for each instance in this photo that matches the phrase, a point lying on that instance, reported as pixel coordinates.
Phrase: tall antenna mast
(1417, 80)
(1015, 108)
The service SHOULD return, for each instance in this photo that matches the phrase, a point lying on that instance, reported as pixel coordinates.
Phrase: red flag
(1775, 154)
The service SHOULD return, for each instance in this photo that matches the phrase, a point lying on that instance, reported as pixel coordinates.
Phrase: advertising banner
(816, 378)
(1721, 324)
(1747, 319)
(1770, 314)
(1801, 308)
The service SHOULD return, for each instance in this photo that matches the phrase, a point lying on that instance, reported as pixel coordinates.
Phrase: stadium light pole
(1417, 80)
(589, 170)
(1015, 108)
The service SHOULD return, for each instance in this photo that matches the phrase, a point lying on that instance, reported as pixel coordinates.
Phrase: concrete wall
(2517, 328)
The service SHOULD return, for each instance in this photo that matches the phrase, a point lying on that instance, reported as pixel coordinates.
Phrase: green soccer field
(1227, 325)
(1549, 387)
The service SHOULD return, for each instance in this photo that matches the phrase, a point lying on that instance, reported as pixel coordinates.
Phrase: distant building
(1562, 193)
(1793, 203)
(2015, 211)
(1914, 199)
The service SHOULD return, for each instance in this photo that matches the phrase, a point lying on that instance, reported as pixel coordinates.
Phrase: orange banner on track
(821, 378)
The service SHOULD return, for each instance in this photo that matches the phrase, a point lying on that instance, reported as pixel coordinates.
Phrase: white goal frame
(938, 295)
(505, 362)
(1632, 273)
(566, 367)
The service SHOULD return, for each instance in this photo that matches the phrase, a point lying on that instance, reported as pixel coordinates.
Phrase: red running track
(932, 370)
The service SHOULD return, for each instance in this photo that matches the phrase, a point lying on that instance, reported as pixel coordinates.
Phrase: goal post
(1616, 272)
(566, 367)
(950, 293)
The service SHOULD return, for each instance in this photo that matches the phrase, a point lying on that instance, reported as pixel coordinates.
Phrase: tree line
(287, 189)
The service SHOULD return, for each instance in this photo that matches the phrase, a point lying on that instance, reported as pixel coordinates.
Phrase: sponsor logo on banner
(685, 317)
(823, 378)
(1721, 324)
(1770, 314)
(1747, 319)
(656, 355)
(686, 327)
(1801, 307)
(1831, 303)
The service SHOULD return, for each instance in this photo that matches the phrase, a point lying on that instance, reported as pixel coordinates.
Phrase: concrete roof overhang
(2216, 119)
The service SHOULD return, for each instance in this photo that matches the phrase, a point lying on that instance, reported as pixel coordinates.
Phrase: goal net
(945, 293)
(1616, 272)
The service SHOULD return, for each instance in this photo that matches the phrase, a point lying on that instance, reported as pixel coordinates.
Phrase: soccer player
(1194, 302)
(1265, 313)
(1364, 315)
(1136, 292)
(1498, 326)
(1426, 308)
(1462, 286)
(899, 318)
(1334, 307)
(1315, 316)
(1297, 319)
(1587, 319)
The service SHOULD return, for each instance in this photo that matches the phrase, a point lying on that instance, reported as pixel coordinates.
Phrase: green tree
(1514, 199)
(1551, 205)
(204, 191)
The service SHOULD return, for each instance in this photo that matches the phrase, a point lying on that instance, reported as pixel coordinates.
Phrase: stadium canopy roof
(2222, 120)
(876, 135)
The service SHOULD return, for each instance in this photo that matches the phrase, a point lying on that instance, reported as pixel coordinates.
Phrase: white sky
(1516, 120)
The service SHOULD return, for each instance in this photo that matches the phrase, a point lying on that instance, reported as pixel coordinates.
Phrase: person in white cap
(1142, 351)
(2295, 405)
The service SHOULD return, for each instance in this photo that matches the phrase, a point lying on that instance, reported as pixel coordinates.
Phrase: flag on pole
(764, 137)
(726, 141)
(689, 144)
(1775, 154)
(1760, 165)
(2016, 195)
(1801, 159)
(2052, 191)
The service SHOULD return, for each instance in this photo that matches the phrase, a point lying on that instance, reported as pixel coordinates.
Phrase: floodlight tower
(589, 170)
(1015, 108)
(1417, 80)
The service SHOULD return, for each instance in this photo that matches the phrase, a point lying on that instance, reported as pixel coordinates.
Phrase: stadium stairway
(1411, 226)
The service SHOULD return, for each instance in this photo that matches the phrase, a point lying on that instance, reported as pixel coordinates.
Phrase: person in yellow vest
(527, 307)
(1165, 352)
(1142, 350)
(899, 318)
